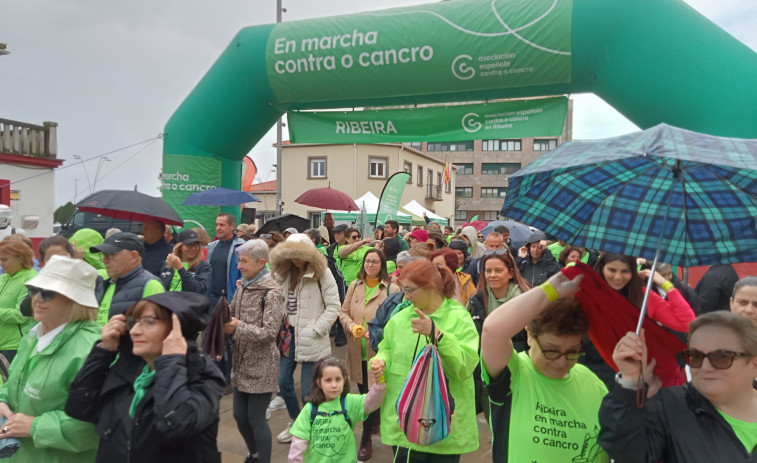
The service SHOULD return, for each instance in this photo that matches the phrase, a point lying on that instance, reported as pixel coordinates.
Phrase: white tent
(371, 207)
(416, 209)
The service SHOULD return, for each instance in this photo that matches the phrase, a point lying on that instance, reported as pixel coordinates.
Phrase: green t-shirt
(152, 287)
(745, 431)
(557, 419)
(176, 279)
(350, 265)
(330, 437)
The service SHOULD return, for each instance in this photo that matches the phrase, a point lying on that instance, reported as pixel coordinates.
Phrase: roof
(265, 186)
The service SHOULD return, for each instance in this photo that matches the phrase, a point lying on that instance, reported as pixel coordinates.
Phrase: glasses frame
(131, 322)
(569, 356)
(497, 252)
(727, 356)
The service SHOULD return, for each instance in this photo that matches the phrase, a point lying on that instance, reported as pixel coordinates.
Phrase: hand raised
(564, 286)
(629, 354)
(173, 261)
(175, 342)
(112, 332)
(422, 324)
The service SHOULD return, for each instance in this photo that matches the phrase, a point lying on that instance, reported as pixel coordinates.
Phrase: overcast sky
(112, 73)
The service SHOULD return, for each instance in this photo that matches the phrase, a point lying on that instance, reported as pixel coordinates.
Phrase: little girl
(323, 430)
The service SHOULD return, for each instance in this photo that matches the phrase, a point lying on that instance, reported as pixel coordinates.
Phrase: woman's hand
(175, 342)
(658, 279)
(377, 368)
(628, 355)
(230, 327)
(422, 324)
(173, 261)
(5, 410)
(522, 252)
(18, 425)
(564, 286)
(112, 332)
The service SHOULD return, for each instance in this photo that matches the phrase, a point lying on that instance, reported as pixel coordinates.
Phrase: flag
(446, 172)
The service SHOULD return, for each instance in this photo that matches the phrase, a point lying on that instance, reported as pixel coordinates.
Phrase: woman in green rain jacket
(430, 288)
(16, 261)
(48, 358)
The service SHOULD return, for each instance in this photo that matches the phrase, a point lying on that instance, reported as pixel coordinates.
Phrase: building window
(438, 178)
(315, 219)
(317, 167)
(499, 168)
(461, 216)
(377, 168)
(420, 176)
(502, 145)
(465, 169)
(464, 192)
(489, 192)
(415, 144)
(545, 145)
(451, 146)
(490, 215)
(408, 167)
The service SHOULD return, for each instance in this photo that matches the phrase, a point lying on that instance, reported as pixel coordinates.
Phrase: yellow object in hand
(358, 331)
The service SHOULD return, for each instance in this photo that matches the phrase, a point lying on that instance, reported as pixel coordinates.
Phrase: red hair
(426, 274)
(450, 257)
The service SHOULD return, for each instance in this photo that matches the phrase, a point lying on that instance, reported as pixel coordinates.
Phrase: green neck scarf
(512, 291)
(141, 385)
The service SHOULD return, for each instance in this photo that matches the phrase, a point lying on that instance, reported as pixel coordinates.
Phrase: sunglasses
(354, 237)
(496, 252)
(45, 294)
(720, 359)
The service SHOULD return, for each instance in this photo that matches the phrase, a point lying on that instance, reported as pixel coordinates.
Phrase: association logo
(471, 123)
(461, 67)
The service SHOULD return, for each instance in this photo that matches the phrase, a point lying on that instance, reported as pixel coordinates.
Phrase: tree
(63, 213)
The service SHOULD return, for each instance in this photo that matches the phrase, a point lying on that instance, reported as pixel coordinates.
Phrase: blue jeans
(287, 366)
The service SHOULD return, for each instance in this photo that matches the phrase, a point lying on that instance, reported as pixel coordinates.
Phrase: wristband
(667, 286)
(549, 291)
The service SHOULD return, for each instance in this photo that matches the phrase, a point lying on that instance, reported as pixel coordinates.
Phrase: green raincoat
(38, 386)
(12, 323)
(459, 352)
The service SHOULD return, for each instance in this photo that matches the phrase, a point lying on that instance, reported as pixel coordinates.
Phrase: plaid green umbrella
(691, 193)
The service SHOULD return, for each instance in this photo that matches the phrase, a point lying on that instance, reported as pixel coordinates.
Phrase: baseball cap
(118, 242)
(188, 236)
(291, 230)
(341, 228)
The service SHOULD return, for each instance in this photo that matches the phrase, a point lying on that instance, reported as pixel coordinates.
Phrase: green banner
(435, 48)
(510, 119)
(184, 175)
(389, 203)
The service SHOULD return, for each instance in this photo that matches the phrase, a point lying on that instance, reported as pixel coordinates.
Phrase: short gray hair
(314, 235)
(405, 257)
(256, 248)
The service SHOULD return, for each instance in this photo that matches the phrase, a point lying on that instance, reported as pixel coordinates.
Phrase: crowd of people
(100, 335)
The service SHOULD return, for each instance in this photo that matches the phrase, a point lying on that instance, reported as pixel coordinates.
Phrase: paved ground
(233, 448)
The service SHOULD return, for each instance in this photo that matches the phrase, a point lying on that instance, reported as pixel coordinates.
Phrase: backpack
(336, 273)
(314, 412)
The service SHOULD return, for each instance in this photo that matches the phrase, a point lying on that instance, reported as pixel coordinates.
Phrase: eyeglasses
(496, 252)
(148, 322)
(408, 290)
(720, 359)
(556, 354)
(372, 262)
(45, 294)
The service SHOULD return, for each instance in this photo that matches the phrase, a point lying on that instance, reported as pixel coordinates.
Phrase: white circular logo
(471, 123)
(461, 67)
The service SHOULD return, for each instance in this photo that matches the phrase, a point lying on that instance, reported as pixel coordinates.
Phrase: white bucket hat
(72, 278)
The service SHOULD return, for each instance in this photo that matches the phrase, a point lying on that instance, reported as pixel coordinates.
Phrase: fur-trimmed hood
(282, 255)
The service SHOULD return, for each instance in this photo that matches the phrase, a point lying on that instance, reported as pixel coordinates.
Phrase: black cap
(341, 228)
(191, 308)
(188, 236)
(119, 242)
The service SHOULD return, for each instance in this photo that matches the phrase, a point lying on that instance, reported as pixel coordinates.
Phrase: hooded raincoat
(458, 349)
(13, 324)
(38, 386)
(87, 238)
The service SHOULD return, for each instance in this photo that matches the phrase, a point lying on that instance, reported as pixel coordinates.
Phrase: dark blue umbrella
(664, 193)
(219, 197)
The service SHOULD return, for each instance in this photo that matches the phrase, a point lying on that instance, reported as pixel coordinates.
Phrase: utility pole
(279, 10)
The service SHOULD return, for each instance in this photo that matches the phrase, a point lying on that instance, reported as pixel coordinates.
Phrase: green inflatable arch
(653, 60)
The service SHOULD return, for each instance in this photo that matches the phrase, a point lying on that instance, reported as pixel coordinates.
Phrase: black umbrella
(282, 222)
(130, 205)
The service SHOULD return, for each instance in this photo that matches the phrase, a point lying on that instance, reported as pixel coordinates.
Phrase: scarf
(141, 385)
(512, 291)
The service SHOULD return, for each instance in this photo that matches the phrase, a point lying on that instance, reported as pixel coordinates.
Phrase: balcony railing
(28, 139)
(434, 192)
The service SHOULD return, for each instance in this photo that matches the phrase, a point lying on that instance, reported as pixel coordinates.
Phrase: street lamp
(77, 157)
(97, 172)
